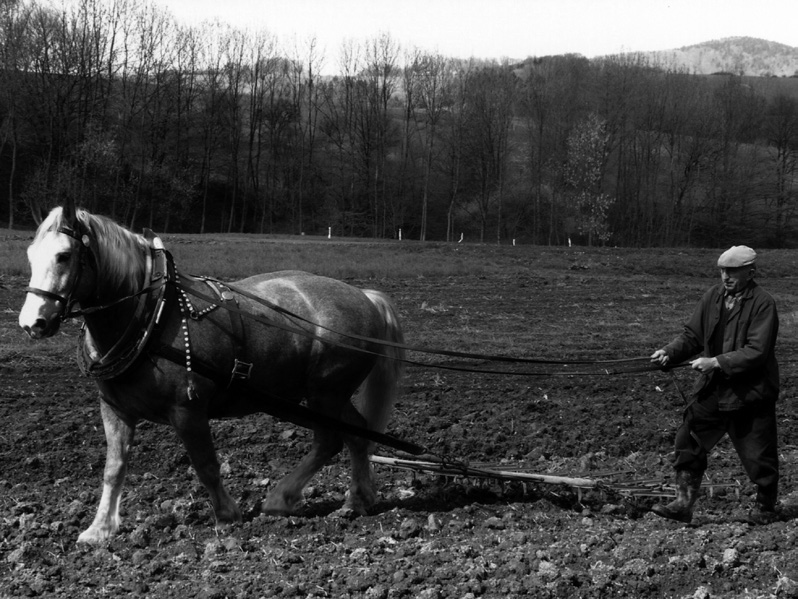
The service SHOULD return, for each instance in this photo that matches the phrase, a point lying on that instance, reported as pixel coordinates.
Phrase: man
(734, 328)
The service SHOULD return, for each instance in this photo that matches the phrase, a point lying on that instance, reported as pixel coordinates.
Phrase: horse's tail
(380, 389)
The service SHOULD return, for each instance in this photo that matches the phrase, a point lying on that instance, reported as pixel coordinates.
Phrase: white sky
(499, 29)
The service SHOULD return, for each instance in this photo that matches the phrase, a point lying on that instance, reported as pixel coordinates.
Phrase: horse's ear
(39, 214)
(69, 213)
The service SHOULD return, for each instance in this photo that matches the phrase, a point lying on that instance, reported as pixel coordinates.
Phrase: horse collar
(142, 324)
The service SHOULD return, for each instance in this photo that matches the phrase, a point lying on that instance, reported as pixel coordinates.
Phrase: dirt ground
(428, 537)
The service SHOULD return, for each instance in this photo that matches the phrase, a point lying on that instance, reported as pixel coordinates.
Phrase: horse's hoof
(272, 508)
(229, 516)
(345, 513)
(359, 503)
(279, 503)
(94, 536)
(274, 512)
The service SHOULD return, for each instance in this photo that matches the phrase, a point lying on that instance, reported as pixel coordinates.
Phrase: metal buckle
(241, 370)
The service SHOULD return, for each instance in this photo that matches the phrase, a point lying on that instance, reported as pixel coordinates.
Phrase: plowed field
(429, 536)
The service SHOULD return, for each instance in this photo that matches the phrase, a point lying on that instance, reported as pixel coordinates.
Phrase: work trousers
(752, 431)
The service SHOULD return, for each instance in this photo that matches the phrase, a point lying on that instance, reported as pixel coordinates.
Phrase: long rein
(608, 367)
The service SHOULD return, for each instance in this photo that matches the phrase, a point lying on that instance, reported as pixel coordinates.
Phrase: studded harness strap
(241, 370)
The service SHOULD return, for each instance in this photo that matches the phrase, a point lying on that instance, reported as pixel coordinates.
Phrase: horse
(183, 350)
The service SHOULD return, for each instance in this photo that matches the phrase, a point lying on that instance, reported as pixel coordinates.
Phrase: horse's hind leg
(287, 494)
(361, 495)
(195, 433)
(119, 435)
(326, 444)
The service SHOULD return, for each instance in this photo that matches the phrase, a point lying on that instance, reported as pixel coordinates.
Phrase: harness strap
(46, 294)
(242, 369)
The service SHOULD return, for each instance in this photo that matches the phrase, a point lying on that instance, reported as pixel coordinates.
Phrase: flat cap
(737, 256)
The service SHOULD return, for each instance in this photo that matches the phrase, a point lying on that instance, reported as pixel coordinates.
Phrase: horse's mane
(119, 253)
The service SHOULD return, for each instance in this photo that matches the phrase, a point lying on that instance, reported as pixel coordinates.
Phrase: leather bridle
(84, 250)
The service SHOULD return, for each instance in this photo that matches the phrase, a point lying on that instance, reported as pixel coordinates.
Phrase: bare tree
(306, 62)
(434, 92)
(211, 108)
(233, 45)
(187, 75)
(491, 97)
(781, 128)
(682, 152)
(410, 124)
(262, 62)
(551, 97)
(453, 137)
(737, 112)
(14, 67)
(382, 74)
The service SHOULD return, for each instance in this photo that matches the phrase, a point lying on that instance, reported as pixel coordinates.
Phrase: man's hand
(660, 357)
(704, 365)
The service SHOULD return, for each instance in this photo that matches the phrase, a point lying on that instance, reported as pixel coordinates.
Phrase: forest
(211, 128)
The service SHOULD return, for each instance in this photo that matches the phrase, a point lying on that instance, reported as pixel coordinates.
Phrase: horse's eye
(63, 257)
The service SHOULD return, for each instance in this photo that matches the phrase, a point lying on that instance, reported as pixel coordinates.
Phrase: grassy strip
(236, 256)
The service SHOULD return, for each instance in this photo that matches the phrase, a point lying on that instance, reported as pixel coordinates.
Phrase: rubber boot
(764, 510)
(681, 509)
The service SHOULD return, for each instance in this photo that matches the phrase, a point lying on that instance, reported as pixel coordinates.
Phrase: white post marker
(400, 234)
(329, 232)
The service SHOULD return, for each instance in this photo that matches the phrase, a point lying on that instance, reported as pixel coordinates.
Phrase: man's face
(735, 279)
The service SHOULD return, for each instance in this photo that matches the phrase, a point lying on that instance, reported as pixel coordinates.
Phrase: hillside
(739, 55)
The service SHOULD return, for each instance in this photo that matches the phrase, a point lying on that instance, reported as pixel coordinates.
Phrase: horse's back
(320, 299)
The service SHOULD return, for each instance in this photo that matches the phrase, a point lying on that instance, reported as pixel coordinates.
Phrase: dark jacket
(749, 371)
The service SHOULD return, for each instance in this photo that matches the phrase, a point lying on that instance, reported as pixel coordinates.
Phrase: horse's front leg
(119, 434)
(195, 433)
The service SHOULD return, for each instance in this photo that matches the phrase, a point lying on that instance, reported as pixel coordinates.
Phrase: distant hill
(738, 55)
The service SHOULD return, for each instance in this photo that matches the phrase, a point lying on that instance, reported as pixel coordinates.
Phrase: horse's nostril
(38, 329)
(35, 331)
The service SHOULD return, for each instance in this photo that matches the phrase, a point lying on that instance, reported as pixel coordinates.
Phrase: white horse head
(54, 256)
(67, 260)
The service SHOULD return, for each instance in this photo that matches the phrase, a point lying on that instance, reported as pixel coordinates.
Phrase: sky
(498, 29)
